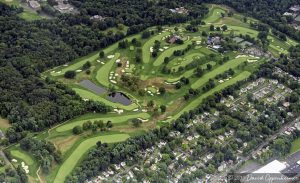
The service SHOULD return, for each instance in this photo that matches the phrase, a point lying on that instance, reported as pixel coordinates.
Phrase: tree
(77, 130)
(162, 90)
(70, 74)
(150, 103)
(163, 108)
(87, 65)
(209, 67)
(136, 122)
(109, 124)
(212, 28)
(224, 27)
(166, 60)
(101, 54)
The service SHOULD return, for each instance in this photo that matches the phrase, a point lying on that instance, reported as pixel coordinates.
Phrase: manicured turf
(295, 146)
(214, 15)
(189, 73)
(90, 95)
(77, 64)
(114, 118)
(103, 73)
(82, 148)
(187, 59)
(150, 43)
(168, 53)
(230, 64)
(22, 156)
(29, 15)
(196, 102)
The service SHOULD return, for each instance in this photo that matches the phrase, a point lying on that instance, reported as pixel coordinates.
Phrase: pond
(91, 86)
(120, 98)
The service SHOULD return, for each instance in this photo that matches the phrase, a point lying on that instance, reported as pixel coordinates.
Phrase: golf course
(150, 78)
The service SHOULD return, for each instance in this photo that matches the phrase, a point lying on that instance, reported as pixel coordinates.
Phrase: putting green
(149, 44)
(102, 75)
(114, 119)
(22, 156)
(196, 102)
(230, 64)
(70, 163)
(92, 96)
(169, 53)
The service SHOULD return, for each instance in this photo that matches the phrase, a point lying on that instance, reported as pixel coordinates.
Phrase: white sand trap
(241, 56)
(251, 60)
(110, 56)
(78, 70)
(58, 72)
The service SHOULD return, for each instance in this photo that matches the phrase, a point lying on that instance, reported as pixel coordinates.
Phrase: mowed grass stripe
(196, 102)
(150, 43)
(92, 96)
(169, 53)
(230, 64)
(102, 75)
(114, 119)
(70, 163)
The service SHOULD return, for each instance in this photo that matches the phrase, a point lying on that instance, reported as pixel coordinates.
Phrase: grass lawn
(83, 147)
(295, 146)
(92, 96)
(115, 118)
(169, 53)
(230, 64)
(102, 75)
(196, 102)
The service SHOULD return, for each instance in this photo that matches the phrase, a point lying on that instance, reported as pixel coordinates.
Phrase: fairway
(149, 44)
(83, 147)
(214, 15)
(189, 73)
(186, 60)
(168, 53)
(103, 72)
(114, 119)
(78, 63)
(22, 156)
(198, 101)
(230, 64)
(92, 96)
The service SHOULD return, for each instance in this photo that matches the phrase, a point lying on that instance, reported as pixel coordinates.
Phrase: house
(97, 17)
(173, 39)
(34, 5)
(213, 41)
(295, 8)
(180, 10)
